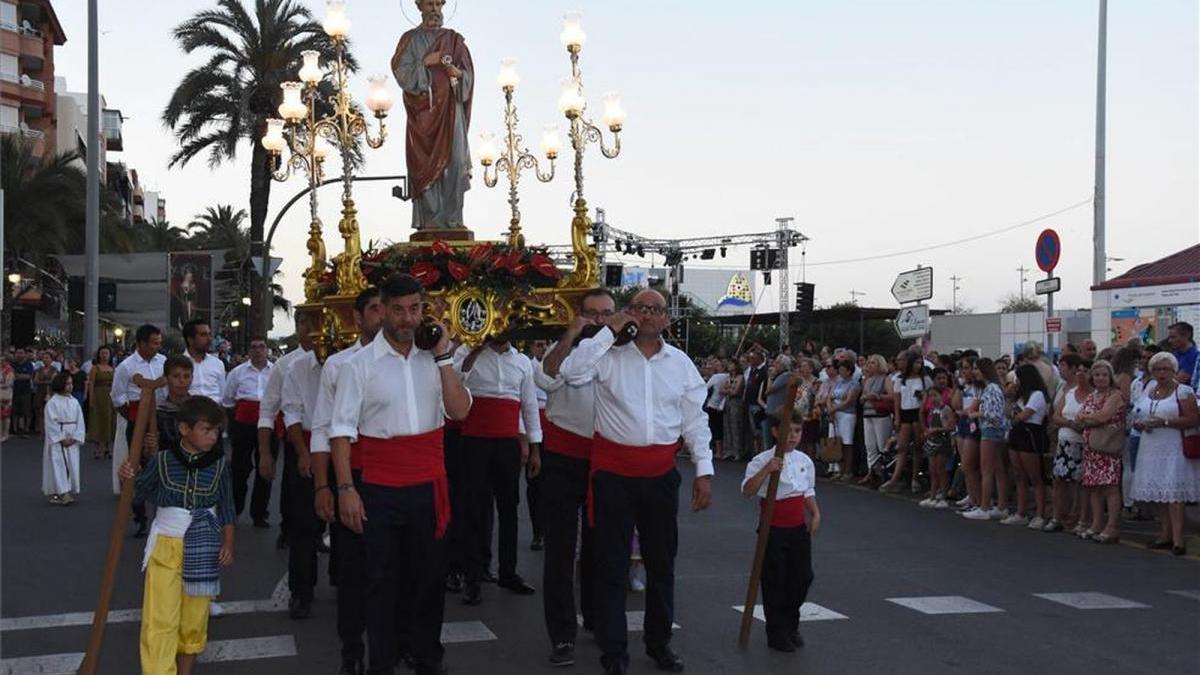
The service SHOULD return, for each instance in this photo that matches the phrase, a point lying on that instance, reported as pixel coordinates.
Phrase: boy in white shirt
(787, 567)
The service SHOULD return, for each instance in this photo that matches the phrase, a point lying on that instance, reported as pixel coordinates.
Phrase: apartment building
(29, 32)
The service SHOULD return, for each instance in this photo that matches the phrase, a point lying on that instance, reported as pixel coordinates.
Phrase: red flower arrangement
(484, 265)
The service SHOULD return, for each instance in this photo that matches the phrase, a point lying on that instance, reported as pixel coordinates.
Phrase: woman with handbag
(1103, 420)
(1166, 476)
(1070, 509)
(1027, 444)
(878, 407)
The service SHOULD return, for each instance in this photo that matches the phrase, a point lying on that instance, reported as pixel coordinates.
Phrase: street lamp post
(582, 131)
(514, 157)
(342, 127)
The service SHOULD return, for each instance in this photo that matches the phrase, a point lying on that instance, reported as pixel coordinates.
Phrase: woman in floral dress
(1105, 407)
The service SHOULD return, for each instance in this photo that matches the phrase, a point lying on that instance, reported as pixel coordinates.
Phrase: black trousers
(348, 568)
(652, 505)
(243, 465)
(564, 492)
(533, 498)
(303, 528)
(456, 540)
(405, 576)
(786, 577)
(492, 471)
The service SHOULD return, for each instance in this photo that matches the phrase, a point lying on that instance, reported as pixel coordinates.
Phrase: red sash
(455, 425)
(631, 461)
(788, 512)
(129, 411)
(356, 458)
(493, 418)
(559, 440)
(246, 412)
(405, 461)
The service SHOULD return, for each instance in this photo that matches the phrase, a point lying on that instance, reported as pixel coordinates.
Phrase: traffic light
(804, 297)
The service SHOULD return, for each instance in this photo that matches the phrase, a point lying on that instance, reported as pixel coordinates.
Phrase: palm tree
(222, 227)
(161, 235)
(228, 99)
(43, 200)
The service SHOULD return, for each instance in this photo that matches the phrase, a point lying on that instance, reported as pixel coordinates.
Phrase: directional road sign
(1047, 250)
(913, 321)
(1051, 285)
(913, 285)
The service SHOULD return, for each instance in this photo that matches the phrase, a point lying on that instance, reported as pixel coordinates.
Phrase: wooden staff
(782, 431)
(144, 423)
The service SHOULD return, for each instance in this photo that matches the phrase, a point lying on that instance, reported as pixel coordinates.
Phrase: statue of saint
(433, 67)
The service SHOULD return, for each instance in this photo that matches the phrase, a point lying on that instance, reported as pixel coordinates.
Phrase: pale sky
(880, 126)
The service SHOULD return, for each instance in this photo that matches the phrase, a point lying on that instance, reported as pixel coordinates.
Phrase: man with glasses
(563, 463)
(648, 396)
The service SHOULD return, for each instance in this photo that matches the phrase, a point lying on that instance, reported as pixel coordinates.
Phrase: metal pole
(784, 328)
(1098, 247)
(1049, 314)
(91, 287)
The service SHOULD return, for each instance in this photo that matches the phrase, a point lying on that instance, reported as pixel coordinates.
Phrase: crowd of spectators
(1053, 447)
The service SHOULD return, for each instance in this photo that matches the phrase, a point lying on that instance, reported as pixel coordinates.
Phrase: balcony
(111, 127)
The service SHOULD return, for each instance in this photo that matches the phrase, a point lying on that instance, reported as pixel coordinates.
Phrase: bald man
(648, 396)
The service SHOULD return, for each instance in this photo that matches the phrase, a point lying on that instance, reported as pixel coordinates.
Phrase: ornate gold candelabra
(514, 157)
(307, 138)
(582, 131)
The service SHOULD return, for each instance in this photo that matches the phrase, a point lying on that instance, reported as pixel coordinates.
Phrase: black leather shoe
(1179, 550)
(517, 585)
(454, 583)
(667, 660)
(563, 654)
(781, 644)
(537, 544)
(488, 577)
(299, 608)
(352, 667)
(141, 530)
(796, 638)
(472, 594)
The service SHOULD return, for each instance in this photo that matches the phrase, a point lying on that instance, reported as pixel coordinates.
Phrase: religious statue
(433, 67)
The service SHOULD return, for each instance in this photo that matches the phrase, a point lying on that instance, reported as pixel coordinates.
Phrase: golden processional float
(477, 289)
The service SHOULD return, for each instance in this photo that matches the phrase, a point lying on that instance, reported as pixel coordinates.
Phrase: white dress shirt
(323, 414)
(383, 394)
(570, 406)
(208, 377)
(272, 399)
(300, 387)
(123, 388)
(507, 375)
(797, 478)
(642, 401)
(245, 383)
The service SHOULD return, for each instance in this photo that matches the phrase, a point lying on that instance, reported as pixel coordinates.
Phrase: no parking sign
(1047, 250)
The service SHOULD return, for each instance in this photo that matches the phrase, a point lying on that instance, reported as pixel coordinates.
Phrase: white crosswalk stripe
(246, 649)
(809, 611)
(50, 664)
(945, 604)
(1091, 600)
(1195, 595)
(466, 631)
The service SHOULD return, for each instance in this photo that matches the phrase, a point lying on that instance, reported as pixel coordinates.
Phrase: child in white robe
(64, 431)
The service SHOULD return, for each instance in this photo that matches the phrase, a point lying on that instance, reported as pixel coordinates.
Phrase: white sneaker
(1037, 523)
(215, 610)
(977, 514)
(963, 503)
(941, 504)
(926, 503)
(995, 513)
(1015, 519)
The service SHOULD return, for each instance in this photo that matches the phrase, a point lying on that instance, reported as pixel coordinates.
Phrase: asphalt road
(897, 588)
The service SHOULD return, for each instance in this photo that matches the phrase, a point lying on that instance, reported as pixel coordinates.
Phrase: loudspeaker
(613, 275)
(23, 327)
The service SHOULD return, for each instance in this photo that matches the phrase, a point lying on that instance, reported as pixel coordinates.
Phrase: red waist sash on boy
(493, 418)
(631, 461)
(788, 512)
(129, 411)
(405, 461)
(564, 442)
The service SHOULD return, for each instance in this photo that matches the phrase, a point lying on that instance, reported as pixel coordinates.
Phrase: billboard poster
(190, 287)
